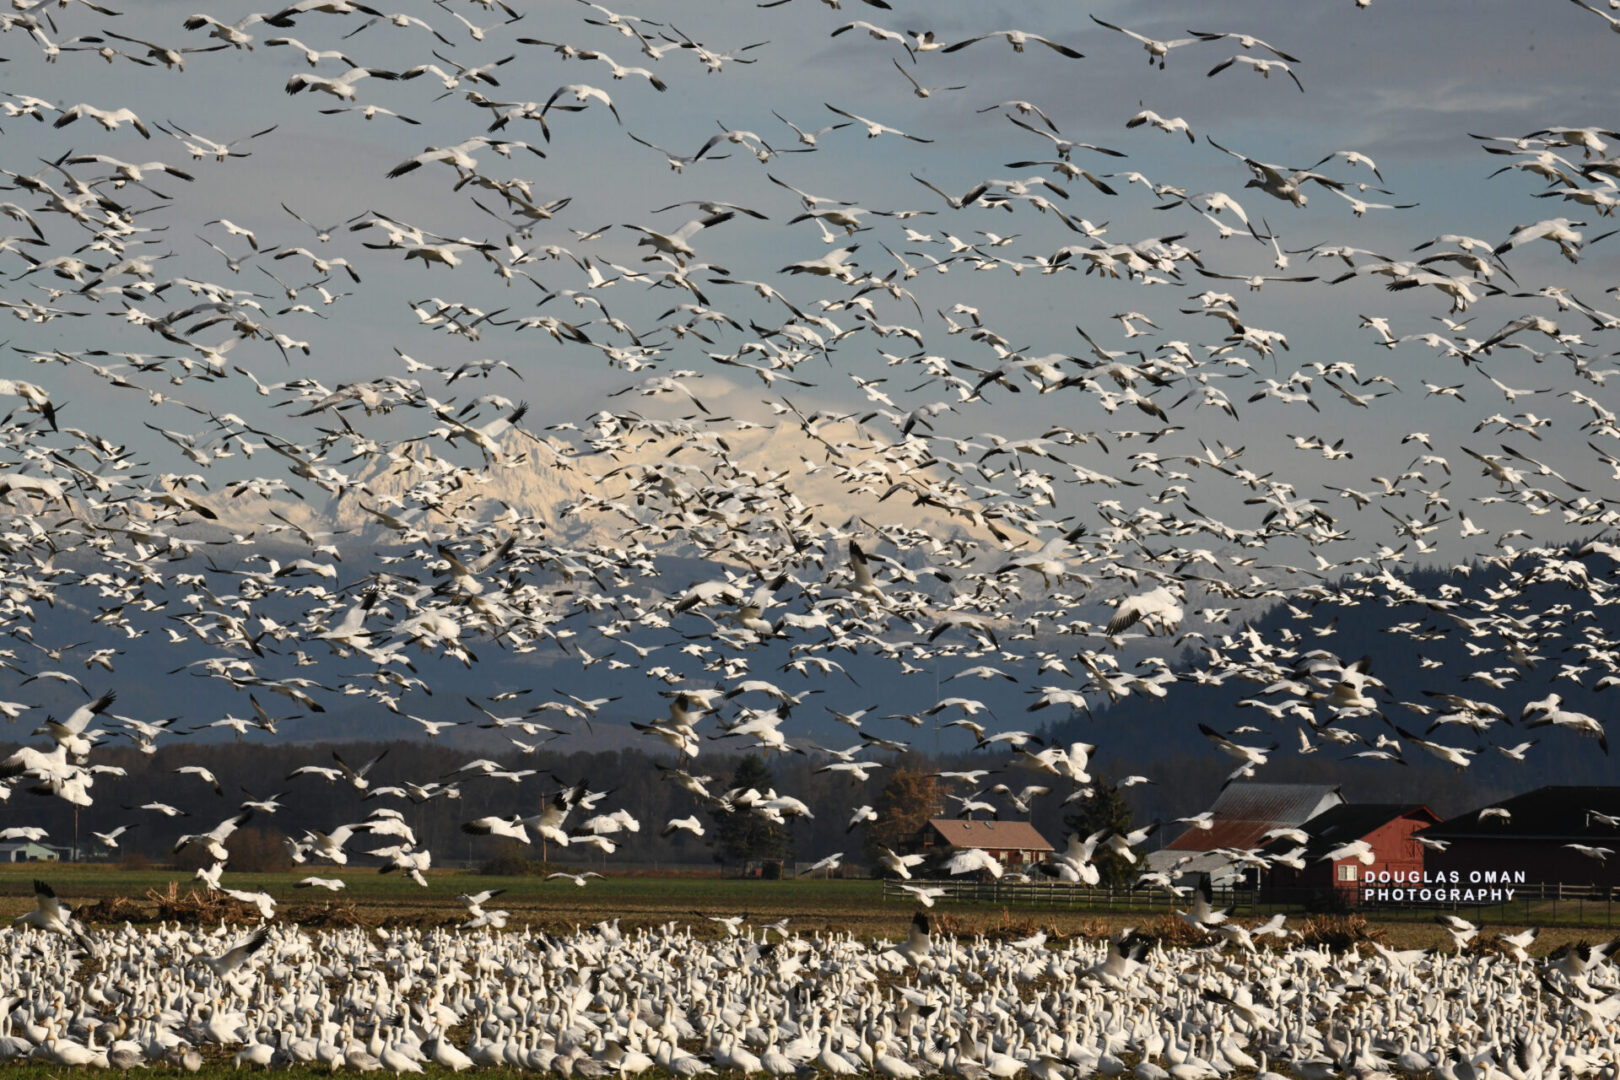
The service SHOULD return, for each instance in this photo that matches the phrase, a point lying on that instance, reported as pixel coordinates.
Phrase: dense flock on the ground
(905, 357)
(756, 999)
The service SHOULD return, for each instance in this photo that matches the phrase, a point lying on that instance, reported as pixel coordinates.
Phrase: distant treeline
(631, 778)
(1186, 782)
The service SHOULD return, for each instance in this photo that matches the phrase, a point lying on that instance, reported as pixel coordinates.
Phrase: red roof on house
(994, 835)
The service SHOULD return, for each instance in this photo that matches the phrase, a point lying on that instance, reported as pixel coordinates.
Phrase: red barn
(1386, 827)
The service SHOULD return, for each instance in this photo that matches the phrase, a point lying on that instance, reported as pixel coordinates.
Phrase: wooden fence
(1531, 904)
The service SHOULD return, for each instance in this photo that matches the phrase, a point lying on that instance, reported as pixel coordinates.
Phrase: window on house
(1347, 872)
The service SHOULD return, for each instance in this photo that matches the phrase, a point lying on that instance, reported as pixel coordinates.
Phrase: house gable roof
(997, 835)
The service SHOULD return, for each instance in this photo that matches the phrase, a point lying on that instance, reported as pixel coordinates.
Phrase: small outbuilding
(29, 851)
(1014, 844)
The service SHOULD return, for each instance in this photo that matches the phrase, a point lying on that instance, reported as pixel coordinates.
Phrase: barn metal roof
(1555, 813)
(997, 835)
(1244, 812)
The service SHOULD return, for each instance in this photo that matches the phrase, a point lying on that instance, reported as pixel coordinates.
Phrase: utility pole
(936, 715)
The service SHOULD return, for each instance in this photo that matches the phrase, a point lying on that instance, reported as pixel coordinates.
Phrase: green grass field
(552, 904)
(813, 905)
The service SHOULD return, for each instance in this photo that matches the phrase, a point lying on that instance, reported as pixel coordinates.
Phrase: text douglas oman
(1440, 885)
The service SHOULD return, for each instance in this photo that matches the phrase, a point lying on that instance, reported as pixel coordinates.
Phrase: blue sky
(1407, 85)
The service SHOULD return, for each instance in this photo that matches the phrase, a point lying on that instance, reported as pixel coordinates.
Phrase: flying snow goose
(236, 957)
(1157, 50)
(1168, 126)
(111, 119)
(312, 882)
(340, 87)
(1017, 39)
(874, 128)
(971, 860)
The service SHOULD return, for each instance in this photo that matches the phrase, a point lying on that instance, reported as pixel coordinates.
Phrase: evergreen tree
(743, 835)
(1104, 808)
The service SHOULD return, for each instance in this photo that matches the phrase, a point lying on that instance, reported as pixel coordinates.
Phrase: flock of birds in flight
(1009, 575)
